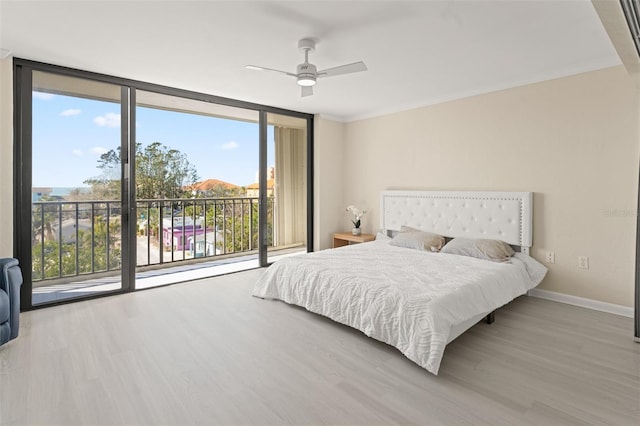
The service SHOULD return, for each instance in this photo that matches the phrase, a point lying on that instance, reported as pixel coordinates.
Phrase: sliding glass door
(123, 185)
(75, 222)
(196, 170)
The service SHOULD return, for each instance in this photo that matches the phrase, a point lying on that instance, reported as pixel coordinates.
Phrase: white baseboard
(596, 305)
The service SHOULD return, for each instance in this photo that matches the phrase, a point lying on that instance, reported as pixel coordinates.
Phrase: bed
(417, 300)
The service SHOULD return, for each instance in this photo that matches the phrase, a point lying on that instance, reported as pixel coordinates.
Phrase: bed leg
(489, 319)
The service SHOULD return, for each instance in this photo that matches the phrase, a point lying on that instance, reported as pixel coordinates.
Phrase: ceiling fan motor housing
(306, 74)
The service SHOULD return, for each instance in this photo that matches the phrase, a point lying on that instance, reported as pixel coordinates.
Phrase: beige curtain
(290, 187)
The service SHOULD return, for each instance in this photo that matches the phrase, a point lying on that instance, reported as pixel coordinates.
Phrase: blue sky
(70, 134)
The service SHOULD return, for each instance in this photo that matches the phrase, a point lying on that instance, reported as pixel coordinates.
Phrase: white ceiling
(418, 52)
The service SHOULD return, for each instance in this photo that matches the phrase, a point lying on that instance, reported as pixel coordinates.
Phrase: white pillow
(382, 236)
(494, 250)
(418, 240)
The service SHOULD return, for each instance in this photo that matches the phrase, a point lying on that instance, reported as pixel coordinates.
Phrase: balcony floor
(170, 274)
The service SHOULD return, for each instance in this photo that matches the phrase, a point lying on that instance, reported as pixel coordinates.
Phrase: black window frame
(22, 72)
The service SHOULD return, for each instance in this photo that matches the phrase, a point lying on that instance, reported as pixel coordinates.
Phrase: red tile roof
(210, 184)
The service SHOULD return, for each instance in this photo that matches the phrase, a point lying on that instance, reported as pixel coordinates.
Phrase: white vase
(356, 231)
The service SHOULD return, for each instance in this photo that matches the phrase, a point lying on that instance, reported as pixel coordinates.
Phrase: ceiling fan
(306, 73)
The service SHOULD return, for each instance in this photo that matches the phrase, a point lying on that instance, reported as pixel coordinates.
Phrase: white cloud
(42, 96)
(229, 145)
(110, 119)
(77, 152)
(69, 112)
(98, 150)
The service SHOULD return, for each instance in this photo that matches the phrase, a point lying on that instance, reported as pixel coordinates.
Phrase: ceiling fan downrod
(306, 72)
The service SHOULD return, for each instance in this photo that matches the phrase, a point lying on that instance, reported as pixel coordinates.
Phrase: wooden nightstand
(345, 238)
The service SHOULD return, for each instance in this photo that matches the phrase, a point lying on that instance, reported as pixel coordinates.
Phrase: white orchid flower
(357, 215)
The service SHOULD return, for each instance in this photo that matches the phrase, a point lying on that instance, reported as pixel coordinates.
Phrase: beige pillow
(495, 250)
(419, 240)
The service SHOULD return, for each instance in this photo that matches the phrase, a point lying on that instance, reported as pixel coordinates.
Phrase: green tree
(161, 172)
(48, 262)
(43, 217)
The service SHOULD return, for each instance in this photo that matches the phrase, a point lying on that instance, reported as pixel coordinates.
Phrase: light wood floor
(206, 352)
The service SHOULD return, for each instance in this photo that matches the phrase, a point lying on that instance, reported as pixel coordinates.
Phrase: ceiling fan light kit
(307, 74)
(306, 80)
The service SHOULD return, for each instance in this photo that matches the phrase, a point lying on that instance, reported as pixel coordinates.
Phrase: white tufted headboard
(505, 216)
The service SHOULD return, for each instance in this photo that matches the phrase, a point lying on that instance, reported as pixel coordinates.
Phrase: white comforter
(407, 298)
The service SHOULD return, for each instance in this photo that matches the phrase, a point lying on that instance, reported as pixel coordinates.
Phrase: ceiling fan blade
(343, 69)
(257, 68)
(307, 91)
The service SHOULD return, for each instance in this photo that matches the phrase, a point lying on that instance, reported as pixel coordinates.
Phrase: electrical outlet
(551, 257)
(583, 262)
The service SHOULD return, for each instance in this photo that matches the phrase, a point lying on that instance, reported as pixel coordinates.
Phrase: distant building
(215, 188)
(177, 235)
(254, 188)
(207, 244)
(66, 232)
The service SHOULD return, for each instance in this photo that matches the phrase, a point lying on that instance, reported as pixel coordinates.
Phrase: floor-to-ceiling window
(75, 220)
(287, 178)
(196, 168)
(124, 185)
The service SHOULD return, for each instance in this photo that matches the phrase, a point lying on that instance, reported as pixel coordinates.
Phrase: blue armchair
(10, 282)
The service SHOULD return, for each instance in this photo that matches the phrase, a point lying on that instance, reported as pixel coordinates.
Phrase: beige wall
(328, 180)
(571, 141)
(6, 158)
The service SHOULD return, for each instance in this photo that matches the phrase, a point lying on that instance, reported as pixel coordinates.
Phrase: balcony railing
(77, 238)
